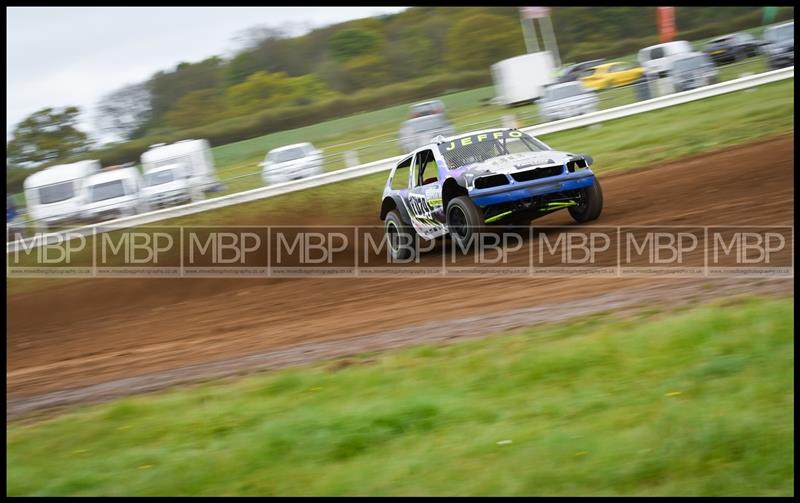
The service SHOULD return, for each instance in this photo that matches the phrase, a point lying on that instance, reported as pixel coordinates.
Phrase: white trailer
(523, 78)
(112, 194)
(57, 195)
(194, 157)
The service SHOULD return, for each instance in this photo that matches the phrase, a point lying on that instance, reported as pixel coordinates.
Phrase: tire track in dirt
(619, 302)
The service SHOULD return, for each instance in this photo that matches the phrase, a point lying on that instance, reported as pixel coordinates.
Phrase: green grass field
(372, 134)
(630, 142)
(698, 402)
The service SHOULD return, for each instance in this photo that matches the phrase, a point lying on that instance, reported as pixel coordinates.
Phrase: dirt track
(95, 331)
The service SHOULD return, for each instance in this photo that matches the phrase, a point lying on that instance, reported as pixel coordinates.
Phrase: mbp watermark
(750, 251)
(225, 252)
(367, 251)
(574, 250)
(662, 251)
(488, 252)
(137, 252)
(403, 255)
(320, 251)
(53, 254)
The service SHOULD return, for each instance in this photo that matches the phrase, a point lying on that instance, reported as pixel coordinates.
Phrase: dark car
(779, 45)
(732, 48)
(576, 71)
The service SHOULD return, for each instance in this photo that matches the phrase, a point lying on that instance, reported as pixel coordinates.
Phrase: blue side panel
(540, 188)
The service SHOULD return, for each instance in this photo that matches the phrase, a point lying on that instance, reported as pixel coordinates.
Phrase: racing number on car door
(425, 195)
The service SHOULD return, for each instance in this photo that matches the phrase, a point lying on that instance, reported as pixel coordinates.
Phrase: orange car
(610, 75)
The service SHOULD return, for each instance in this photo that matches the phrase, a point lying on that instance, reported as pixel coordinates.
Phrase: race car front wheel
(590, 203)
(400, 237)
(464, 220)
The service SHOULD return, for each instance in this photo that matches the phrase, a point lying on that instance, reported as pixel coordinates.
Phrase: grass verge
(630, 142)
(698, 402)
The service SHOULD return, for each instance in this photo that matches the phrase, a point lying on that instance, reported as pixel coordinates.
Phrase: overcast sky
(57, 56)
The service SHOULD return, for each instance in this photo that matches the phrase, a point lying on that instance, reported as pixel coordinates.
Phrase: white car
(169, 185)
(291, 162)
(569, 99)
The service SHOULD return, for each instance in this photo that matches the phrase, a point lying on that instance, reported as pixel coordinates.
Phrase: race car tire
(464, 221)
(591, 206)
(394, 227)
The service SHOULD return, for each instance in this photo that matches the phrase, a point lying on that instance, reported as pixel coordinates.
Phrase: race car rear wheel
(590, 204)
(464, 220)
(399, 236)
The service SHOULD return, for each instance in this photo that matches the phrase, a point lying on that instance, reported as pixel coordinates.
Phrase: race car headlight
(469, 180)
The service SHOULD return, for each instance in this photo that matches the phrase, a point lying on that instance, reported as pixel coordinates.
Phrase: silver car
(291, 162)
(570, 99)
(421, 130)
(693, 70)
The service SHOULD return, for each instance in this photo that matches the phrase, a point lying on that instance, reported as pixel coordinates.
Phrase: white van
(112, 194)
(195, 159)
(56, 195)
(657, 59)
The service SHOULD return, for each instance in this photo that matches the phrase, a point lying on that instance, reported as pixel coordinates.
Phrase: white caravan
(112, 194)
(56, 195)
(522, 78)
(169, 185)
(188, 160)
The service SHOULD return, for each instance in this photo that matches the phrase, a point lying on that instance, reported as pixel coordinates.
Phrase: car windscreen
(107, 190)
(57, 192)
(693, 63)
(717, 40)
(159, 177)
(780, 33)
(561, 92)
(290, 154)
(567, 70)
(426, 108)
(480, 147)
(656, 53)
